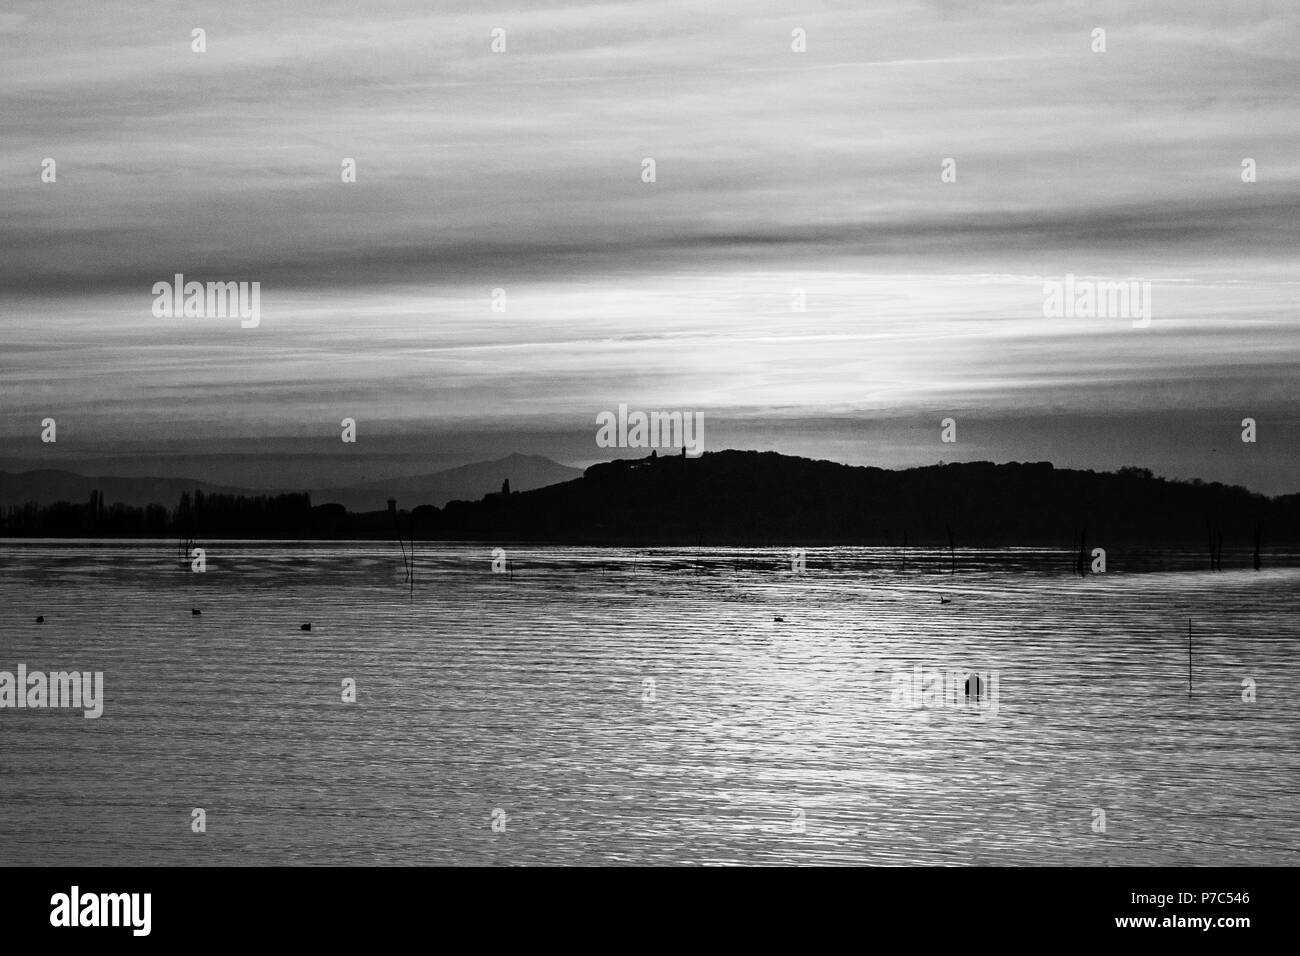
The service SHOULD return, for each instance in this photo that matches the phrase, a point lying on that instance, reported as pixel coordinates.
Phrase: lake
(607, 706)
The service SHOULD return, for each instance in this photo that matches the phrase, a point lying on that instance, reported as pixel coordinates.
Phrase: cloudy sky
(775, 171)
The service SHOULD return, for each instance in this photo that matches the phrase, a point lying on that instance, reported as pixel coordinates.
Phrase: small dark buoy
(41, 619)
(779, 619)
(944, 600)
(978, 686)
(195, 612)
(305, 627)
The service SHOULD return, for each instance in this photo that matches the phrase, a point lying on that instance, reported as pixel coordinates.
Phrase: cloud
(522, 170)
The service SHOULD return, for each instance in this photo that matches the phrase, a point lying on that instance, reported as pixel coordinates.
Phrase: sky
(798, 270)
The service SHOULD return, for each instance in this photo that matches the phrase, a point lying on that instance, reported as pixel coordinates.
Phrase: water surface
(758, 741)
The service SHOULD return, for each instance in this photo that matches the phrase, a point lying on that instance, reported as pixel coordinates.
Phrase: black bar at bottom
(930, 907)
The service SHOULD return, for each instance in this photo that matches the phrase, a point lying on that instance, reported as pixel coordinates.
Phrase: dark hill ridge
(746, 497)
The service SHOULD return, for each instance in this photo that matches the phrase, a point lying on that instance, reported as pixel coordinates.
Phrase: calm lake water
(758, 741)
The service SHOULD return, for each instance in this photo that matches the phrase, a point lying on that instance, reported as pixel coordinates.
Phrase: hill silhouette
(747, 497)
(743, 498)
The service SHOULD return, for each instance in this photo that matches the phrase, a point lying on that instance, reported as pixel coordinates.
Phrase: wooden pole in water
(397, 532)
(1189, 657)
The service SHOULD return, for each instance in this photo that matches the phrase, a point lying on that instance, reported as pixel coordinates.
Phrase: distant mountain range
(471, 482)
(525, 472)
(47, 486)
